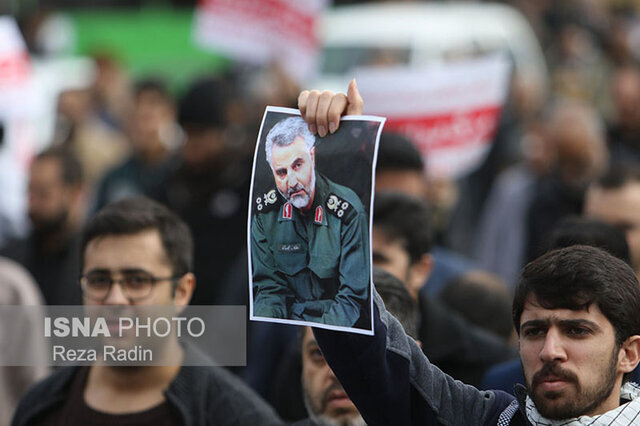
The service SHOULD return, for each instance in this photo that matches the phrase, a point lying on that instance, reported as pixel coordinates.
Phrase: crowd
(137, 173)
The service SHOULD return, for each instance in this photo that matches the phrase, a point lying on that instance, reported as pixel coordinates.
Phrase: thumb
(354, 100)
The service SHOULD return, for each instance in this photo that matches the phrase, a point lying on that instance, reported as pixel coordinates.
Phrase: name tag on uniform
(291, 248)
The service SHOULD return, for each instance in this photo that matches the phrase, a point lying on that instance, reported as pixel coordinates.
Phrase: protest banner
(262, 32)
(450, 111)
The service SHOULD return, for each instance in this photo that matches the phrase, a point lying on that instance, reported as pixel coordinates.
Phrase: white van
(419, 34)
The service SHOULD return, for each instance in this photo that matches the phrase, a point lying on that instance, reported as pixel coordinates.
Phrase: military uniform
(312, 266)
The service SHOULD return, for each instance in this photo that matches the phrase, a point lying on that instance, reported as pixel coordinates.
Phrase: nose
(328, 374)
(553, 349)
(116, 295)
(292, 179)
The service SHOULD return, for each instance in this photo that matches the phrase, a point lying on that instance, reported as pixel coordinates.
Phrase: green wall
(147, 41)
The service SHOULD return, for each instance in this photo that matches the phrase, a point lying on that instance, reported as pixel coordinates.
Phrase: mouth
(113, 326)
(298, 193)
(552, 383)
(338, 398)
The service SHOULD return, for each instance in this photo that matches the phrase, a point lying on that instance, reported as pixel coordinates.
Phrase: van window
(341, 59)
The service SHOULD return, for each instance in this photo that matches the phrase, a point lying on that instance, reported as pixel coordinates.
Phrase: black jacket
(202, 396)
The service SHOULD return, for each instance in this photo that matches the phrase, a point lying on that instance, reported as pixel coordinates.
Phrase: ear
(420, 271)
(184, 290)
(312, 153)
(629, 355)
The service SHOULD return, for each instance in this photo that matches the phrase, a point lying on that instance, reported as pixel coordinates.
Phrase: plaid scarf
(626, 414)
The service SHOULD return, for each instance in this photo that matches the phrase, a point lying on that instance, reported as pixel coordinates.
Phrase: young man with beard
(576, 315)
(56, 207)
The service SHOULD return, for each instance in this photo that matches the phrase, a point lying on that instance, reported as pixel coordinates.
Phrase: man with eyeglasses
(136, 253)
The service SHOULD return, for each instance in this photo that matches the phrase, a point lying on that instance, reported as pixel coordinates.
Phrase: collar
(317, 211)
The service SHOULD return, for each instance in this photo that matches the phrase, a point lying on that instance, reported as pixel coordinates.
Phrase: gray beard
(301, 201)
(322, 420)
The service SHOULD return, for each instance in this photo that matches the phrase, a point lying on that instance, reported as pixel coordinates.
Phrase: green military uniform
(312, 266)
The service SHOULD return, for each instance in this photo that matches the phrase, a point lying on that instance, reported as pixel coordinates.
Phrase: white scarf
(626, 414)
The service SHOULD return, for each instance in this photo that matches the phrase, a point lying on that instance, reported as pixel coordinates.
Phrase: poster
(309, 223)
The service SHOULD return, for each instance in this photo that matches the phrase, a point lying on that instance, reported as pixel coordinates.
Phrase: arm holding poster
(386, 375)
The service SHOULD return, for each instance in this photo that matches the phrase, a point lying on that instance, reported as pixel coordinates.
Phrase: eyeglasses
(135, 285)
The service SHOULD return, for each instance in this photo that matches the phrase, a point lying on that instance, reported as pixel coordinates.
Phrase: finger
(322, 112)
(302, 103)
(337, 107)
(312, 107)
(355, 102)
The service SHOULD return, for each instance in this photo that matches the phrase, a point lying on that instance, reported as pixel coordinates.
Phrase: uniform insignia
(319, 214)
(337, 205)
(287, 211)
(268, 199)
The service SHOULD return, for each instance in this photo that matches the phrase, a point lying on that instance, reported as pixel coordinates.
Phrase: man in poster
(309, 238)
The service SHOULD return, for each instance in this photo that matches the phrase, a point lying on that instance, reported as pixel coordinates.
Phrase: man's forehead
(117, 251)
(611, 204)
(297, 145)
(48, 165)
(533, 310)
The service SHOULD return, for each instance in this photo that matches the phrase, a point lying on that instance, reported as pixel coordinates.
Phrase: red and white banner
(14, 59)
(263, 32)
(450, 111)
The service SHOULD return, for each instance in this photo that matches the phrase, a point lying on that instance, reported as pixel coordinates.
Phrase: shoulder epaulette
(339, 206)
(267, 201)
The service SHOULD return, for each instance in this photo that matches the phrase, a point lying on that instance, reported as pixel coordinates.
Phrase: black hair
(406, 219)
(72, 173)
(576, 277)
(155, 85)
(204, 104)
(396, 153)
(618, 175)
(133, 215)
(575, 230)
(484, 306)
(397, 300)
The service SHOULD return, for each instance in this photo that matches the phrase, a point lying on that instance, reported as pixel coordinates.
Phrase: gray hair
(285, 132)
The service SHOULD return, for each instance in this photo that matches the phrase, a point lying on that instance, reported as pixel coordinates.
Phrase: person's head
(615, 199)
(290, 152)
(401, 238)
(577, 133)
(75, 105)
(576, 313)
(585, 231)
(625, 94)
(483, 299)
(144, 246)
(325, 399)
(202, 114)
(55, 192)
(153, 118)
(399, 166)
